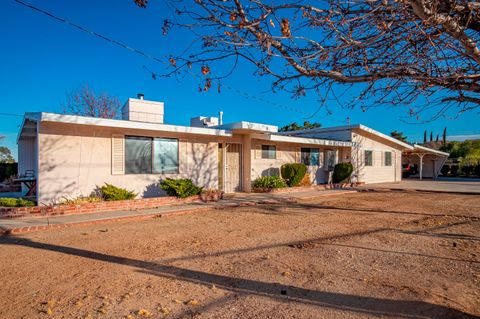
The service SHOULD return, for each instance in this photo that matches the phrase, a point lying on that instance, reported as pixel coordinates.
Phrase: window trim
(274, 148)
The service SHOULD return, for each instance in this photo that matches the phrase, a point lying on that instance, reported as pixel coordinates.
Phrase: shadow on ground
(324, 299)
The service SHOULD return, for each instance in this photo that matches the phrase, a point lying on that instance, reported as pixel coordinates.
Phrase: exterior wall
(378, 172)
(74, 160)
(290, 153)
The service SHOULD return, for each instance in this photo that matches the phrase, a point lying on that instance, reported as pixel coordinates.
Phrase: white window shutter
(118, 154)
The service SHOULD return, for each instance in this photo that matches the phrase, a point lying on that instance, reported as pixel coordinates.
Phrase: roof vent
(140, 96)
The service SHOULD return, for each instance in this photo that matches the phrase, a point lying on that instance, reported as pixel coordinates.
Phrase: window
(269, 151)
(165, 158)
(146, 155)
(138, 155)
(310, 156)
(330, 160)
(388, 158)
(368, 158)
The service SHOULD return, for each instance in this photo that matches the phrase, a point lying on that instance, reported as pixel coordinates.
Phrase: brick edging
(95, 207)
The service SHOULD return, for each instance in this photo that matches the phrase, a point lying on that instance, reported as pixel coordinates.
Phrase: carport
(428, 160)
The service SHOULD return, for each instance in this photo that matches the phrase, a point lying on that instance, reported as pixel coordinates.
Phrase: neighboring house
(74, 155)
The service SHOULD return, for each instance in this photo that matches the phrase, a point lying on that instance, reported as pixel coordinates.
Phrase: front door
(233, 166)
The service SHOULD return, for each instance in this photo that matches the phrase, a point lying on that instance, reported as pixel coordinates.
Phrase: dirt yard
(378, 254)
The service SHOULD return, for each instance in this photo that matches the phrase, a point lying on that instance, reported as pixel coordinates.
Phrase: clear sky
(42, 59)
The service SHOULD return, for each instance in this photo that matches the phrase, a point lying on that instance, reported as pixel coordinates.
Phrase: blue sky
(41, 60)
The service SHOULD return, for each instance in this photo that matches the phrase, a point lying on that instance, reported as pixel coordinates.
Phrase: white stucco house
(71, 155)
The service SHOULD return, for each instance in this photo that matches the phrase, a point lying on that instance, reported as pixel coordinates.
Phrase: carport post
(421, 164)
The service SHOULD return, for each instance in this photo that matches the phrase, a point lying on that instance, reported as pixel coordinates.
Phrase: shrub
(454, 170)
(269, 182)
(110, 192)
(15, 202)
(293, 173)
(180, 187)
(468, 169)
(445, 169)
(342, 172)
(477, 170)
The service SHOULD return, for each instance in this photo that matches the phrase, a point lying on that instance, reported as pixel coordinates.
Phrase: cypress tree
(431, 136)
(444, 137)
(425, 137)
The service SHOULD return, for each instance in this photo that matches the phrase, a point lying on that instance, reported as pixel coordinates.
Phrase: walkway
(28, 224)
(454, 185)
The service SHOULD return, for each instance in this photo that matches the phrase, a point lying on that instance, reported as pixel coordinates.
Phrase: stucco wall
(378, 172)
(290, 153)
(75, 159)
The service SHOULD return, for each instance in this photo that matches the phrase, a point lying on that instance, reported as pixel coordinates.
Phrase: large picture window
(146, 155)
(269, 151)
(310, 156)
(368, 158)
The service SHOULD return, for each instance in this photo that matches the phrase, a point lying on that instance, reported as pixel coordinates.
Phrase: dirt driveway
(361, 255)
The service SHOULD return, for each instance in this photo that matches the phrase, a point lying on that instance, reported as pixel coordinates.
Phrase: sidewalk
(29, 224)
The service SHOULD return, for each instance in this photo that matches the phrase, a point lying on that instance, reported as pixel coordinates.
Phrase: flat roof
(85, 120)
(308, 140)
(248, 126)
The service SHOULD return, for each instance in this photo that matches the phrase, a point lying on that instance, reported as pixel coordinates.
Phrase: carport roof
(419, 149)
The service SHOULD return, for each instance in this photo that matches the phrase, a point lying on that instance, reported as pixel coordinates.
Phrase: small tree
(425, 137)
(6, 155)
(295, 127)
(85, 102)
(444, 136)
(398, 136)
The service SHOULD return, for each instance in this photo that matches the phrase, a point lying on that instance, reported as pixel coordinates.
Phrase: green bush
(342, 172)
(269, 182)
(454, 170)
(445, 169)
(477, 170)
(180, 187)
(468, 169)
(110, 192)
(293, 173)
(15, 202)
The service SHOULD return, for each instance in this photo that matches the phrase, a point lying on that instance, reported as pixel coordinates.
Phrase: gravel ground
(361, 255)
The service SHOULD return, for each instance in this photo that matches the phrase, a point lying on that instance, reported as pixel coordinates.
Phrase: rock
(144, 313)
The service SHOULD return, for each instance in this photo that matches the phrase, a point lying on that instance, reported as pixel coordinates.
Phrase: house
(376, 157)
(73, 155)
